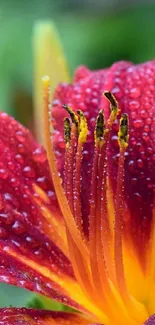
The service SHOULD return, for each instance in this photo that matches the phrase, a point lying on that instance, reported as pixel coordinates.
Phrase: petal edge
(23, 316)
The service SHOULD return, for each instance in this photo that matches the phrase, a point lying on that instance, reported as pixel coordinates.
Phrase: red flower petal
(23, 163)
(30, 220)
(134, 88)
(23, 316)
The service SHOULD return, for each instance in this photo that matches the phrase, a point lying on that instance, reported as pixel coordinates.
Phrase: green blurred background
(95, 33)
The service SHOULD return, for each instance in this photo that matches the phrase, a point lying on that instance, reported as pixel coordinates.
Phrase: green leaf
(13, 296)
(41, 302)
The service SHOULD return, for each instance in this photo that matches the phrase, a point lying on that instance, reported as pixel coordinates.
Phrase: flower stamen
(79, 253)
(69, 220)
(69, 165)
(136, 309)
(93, 265)
(122, 139)
(83, 131)
(114, 110)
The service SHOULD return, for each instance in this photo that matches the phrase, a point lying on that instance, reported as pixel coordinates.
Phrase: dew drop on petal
(14, 181)
(6, 218)
(18, 228)
(140, 163)
(134, 104)
(29, 172)
(135, 92)
(39, 253)
(137, 196)
(39, 155)
(3, 174)
(134, 181)
(31, 242)
(114, 140)
(42, 181)
(131, 165)
(11, 165)
(20, 136)
(137, 123)
(21, 148)
(19, 158)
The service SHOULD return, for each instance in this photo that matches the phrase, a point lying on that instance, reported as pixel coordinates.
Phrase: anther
(123, 134)
(83, 127)
(67, 131)
(73, 116)
(113, 105)
(100, 129)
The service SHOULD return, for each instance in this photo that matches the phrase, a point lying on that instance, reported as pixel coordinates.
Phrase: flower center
(97, 259)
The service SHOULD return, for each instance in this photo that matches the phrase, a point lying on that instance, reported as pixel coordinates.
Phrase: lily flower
(77, 219)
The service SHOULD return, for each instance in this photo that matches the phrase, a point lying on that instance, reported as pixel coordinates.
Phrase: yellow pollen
(123, 134)
(73, 116)
(113, 106)
(83, 128)
(67, 131)
(100, 130)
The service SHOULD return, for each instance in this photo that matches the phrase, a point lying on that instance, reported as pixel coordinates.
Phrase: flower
(77, 220)
(80, 228)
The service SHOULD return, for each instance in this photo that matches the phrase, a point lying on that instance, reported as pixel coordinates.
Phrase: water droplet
(42, 181)
(5, 218)
(94, 102)
(39, 155)
(20, 136)
(21, 148)
(134, 104)
(134, 181)
(146, 128)
(143, 113)
(19, 158)
(29, 172)
(149, 121)
(133, 115)
(51, 194)
(137, 196)
(138, 123)
(117, 92)
(131, 165)
(32, 242)
(145, 136)
(88, 91)
(3, 173)
(114, 140)
(135, 92)
(14, 181)
(11, 165)
(18, 227)
(140, 163)
(150, 150)
(39, 253)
